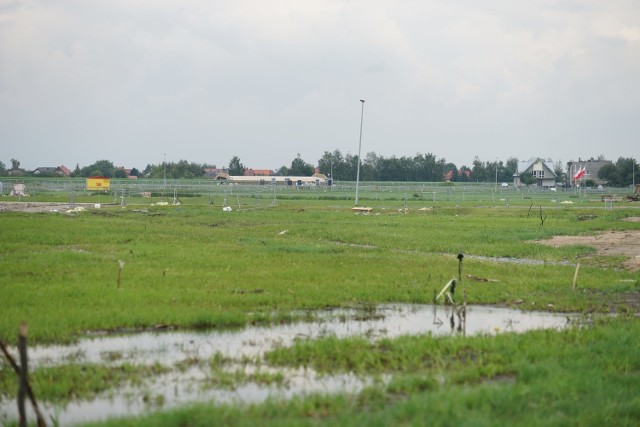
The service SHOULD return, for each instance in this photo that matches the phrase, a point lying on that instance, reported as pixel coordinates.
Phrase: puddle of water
(523, 261)
(177, 387)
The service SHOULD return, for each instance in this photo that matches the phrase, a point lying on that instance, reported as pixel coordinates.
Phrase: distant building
(127, 172)
(52, 170)
(540, 170)
(448, 177)
(213, 172)
(591, 167)
(299, 181)
(258, 172)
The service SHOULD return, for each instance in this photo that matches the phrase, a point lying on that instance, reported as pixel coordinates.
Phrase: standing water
(182, 386)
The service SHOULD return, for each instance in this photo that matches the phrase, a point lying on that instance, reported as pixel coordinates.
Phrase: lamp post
(359, 148)
(331, 174)
(164, 165)
(496, 174)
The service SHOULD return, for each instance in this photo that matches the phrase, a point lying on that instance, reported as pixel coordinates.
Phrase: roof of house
(258, 172)
(52, 170)
(526, 165)
(45, 169)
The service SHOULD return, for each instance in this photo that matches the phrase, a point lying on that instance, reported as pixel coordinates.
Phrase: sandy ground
(625, 243)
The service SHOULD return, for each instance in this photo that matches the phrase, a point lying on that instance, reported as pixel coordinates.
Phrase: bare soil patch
(35, 207)
(626, 243)
(632, 219)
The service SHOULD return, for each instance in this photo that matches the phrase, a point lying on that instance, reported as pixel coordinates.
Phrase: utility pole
(359, 150)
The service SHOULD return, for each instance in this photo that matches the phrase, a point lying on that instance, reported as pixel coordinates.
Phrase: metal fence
(427, 192)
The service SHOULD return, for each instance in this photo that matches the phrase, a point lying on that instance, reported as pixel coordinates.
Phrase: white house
(540, 170)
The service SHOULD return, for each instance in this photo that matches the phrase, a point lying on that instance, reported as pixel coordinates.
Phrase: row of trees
(418, 168)
(421, 167)
(621, 173)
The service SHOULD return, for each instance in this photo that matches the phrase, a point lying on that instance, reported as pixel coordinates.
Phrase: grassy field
(196, 266)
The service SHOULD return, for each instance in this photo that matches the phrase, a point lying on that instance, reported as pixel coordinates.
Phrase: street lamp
(496, 174)
(359, 148)
(331, 174)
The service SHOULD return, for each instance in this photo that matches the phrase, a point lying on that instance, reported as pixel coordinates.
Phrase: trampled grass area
(195, 266)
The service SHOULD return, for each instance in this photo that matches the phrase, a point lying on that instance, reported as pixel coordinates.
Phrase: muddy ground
(625, 243)
(40, 206)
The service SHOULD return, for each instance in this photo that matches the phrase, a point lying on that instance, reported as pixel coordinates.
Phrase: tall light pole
(359, 149)
(496, 174)
(164, 164)
(331, 174)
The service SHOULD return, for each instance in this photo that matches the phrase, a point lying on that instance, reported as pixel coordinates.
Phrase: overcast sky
(138, 81)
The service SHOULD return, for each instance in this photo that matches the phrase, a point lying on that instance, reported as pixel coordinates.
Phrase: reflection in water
(184, 386)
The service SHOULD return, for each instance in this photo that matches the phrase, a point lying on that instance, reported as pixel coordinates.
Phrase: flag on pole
(579, 174)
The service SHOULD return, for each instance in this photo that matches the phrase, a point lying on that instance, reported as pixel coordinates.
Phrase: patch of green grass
(194, 266)
(64, 383)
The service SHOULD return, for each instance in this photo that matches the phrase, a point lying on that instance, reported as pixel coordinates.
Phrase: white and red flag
(579, 174)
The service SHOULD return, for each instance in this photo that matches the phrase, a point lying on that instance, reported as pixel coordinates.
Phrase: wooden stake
(446, 288)
(22, 389)
(575, 276)
(16, 368)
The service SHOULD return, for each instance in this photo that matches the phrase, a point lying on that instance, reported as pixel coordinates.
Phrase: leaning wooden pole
(32, 398)
(24, 370)
(575, 276)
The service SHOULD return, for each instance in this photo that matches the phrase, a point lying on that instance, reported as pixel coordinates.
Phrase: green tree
(327, 162)
(626, 166)
(510, 168)
(99, 168)
(236, 168)
(479, 171)
(463, 173)
(558, 168)
(300, 168)
(527, 179)
(3, 168)
(120, 173)
(15, 164)
(283, 171)
(609, 173)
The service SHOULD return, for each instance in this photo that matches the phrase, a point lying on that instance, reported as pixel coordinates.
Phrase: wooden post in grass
(23, 379)
(464, 313)
(120, 267)
(575, 276)
(448, 291)
(17, 370)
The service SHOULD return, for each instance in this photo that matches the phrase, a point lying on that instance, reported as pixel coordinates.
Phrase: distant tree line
(418, 168)
(339, 167)
(621, 173)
